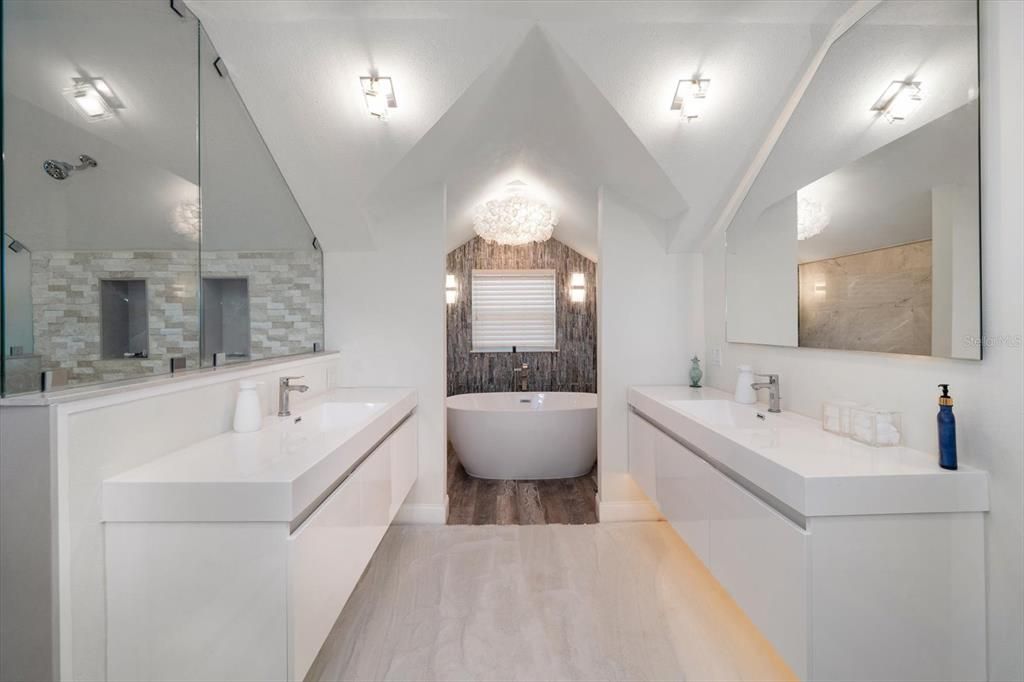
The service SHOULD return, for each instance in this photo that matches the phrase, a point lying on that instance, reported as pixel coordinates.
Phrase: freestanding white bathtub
(524, 435)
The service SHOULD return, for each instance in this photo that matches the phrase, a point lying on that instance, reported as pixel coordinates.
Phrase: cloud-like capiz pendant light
(515, 218)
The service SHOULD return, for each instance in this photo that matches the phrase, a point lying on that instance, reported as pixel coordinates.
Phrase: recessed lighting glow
(690, 98)
(899, 100)
(88, 101)
(379, 94)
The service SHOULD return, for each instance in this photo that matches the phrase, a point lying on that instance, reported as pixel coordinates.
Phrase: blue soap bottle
(947, 430)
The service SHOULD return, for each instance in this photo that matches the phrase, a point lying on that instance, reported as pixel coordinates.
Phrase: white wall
(761, 270)
(989, 395)
(385, 312)
(956, 276)
(648, 312)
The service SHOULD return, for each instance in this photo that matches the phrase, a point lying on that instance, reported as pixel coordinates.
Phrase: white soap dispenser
(745, 393)
(248, 411)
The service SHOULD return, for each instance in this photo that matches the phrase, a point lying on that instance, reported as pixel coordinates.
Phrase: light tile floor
(553, 602)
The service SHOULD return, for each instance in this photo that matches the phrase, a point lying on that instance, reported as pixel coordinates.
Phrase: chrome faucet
(523, 372)
(284, 388)
(773, 390)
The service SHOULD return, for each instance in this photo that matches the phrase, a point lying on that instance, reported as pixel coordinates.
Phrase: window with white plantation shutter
(513, 308)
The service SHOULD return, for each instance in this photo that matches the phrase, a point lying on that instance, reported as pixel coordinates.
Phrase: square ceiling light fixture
(379, 94)
(93, 98)
(899, 100)
(690, 97)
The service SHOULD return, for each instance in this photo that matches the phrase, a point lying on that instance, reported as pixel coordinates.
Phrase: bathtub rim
(515, 408)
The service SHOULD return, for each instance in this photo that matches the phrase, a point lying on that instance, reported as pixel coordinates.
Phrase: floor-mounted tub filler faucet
(284, 389)
(773, 391)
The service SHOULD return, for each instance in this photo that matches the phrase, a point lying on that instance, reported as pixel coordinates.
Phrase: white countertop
(810, 470)
(274, 474)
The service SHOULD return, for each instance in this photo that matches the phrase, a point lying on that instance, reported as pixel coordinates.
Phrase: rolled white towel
(887, 434)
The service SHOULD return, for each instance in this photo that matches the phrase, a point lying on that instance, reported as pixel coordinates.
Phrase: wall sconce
(379, 94)
(820, 288)
(578, 287)
(690, 97)
(899, 100)
(451, 289)
(93, 98)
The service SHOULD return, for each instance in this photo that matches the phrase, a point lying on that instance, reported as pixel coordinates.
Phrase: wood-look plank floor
(478, 501)
(614, 601)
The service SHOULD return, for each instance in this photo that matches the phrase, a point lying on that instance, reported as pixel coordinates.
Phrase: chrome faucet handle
(285, 380)
(774, 399)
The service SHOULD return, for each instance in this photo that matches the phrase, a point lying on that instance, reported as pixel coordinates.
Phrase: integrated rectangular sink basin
(727, 414)
(332, 416)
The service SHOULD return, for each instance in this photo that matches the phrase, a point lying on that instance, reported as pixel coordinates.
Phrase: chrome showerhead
(60, 170)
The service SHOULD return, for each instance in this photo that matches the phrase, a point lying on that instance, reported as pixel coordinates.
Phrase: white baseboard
(412, 514)
(636, 510)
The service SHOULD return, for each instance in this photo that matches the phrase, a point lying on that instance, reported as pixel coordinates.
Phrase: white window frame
(491, 338)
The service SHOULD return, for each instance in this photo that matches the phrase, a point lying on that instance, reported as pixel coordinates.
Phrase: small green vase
(695, 373)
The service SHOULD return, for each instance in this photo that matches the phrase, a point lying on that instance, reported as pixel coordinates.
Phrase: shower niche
(144, 217)
(226, 318)
(124, 319)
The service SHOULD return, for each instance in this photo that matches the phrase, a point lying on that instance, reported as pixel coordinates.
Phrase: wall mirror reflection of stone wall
(105, 141)
(862, 230)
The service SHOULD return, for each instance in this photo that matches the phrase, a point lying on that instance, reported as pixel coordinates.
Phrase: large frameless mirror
(862, 231)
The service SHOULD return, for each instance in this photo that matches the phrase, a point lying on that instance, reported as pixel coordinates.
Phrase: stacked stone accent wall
(285, 304)
(66, 310)
(286, 297)
(572, 368)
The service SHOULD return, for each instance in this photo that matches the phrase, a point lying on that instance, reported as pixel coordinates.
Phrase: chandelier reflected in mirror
(811, 218)
(515, 218)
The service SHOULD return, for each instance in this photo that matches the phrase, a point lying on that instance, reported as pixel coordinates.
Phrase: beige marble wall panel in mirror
(100, 108)
(862, 231)
(262, 276)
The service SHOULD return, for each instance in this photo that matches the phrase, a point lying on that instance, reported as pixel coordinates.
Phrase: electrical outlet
(716, 357)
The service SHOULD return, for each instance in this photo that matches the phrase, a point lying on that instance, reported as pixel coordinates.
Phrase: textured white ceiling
(934, 41)
(534, 116)
(566, 94)
(753, 68)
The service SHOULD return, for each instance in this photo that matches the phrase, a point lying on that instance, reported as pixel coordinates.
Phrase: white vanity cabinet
(762, 560)
(230, 599)
(328, 552)
(843, 591)
(746, 544)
